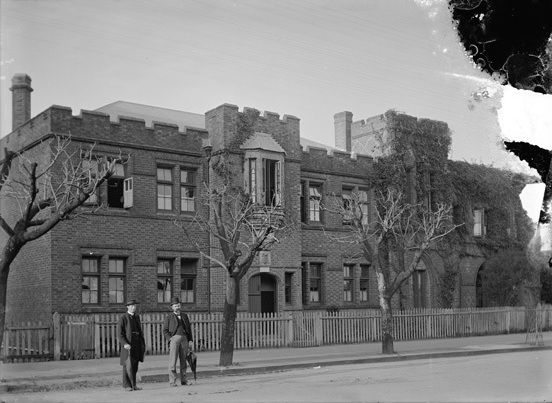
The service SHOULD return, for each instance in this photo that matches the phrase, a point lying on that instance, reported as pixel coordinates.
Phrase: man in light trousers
(178, 332)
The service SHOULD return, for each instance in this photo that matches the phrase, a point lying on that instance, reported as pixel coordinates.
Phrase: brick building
(130, 248)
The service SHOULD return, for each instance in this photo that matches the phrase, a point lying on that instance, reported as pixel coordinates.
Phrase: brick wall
(29, 286)
(47, 275)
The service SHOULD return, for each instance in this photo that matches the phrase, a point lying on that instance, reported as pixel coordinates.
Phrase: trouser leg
(126, 379)
(174, 346)
(183, 350)
(135, 363)
(129, 374)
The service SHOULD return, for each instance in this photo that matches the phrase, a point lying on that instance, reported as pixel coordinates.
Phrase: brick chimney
(21, 99)
(342, 127)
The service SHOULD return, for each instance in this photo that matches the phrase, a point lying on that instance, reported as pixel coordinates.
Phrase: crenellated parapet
(379, 135)
(94, 126)
(336, 162)
(229, 128)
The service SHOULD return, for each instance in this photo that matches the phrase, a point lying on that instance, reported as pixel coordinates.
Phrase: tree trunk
(3, 290)
(386, 326)
(383, 270)
(386, 314)
(229, 322)
(9, 252)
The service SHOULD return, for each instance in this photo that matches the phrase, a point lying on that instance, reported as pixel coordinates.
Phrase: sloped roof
(310, 143)
(182, 119)
(153, 113)
(263, 141)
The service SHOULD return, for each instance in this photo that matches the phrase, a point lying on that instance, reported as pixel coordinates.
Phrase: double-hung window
(348, 270)
(252, 178)
(90, 280)
(315, 282)
(364, 283)
(304, 216)
(315, 199)
(187, 189)
(272, 185)
(363, 204)
(164, 280)
(479, 223)
(188, 268)
(347, 200)
(116, 271)
(164, 188)
(288, 287)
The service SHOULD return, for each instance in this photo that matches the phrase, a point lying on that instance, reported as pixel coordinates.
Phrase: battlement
(97, 126)
(104, 119)
(319, 152)
(336, 161)
(225, 126)
(373, 136)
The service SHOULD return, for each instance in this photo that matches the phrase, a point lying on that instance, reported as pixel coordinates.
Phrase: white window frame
(166, 184)
(315, 201)
(115, 273)
(479, 229)
(348, 282)
(189, 202)
(256, 187)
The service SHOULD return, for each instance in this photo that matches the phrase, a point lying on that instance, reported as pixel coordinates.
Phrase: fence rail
(82, 336)
(28, 341)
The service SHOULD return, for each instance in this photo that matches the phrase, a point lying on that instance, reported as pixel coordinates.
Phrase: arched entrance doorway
(262, 293)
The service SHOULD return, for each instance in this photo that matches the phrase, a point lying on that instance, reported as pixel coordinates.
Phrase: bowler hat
(131, 302)
(175, 300)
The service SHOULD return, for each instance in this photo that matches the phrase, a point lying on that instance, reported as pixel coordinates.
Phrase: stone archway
(262, 296)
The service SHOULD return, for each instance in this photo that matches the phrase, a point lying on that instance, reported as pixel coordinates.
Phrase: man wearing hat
(133, 345)
(178, 332)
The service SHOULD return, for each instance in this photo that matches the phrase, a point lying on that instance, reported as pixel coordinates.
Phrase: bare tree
(242, 229)
(42, 191)
(393, 243)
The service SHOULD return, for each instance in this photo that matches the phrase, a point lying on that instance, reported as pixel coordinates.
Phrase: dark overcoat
(124, 333)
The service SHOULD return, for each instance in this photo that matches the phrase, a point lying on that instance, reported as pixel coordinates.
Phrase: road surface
(523, 376)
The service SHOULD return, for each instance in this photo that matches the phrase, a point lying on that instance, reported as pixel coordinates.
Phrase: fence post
(6, 342)
(508, 320)
(97, 351)
(318, 336)
(56, 320)
(290, 329)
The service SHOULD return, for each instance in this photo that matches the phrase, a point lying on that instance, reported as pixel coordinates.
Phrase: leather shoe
(129, 389)
(184, 382)
(137, 388)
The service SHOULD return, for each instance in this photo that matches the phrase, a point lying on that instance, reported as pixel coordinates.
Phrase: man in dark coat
(133, 345)
(178, 332)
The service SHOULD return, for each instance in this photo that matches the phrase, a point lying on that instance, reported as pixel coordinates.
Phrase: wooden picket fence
(28, 341)
(82, 336)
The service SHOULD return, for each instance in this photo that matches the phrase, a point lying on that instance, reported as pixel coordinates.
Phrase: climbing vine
(421, 147)
(497, 192)
(448, 286)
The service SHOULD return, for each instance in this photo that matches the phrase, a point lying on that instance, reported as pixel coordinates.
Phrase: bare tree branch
(5, 226)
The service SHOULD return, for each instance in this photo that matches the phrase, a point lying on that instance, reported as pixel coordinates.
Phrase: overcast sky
(308, 58)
